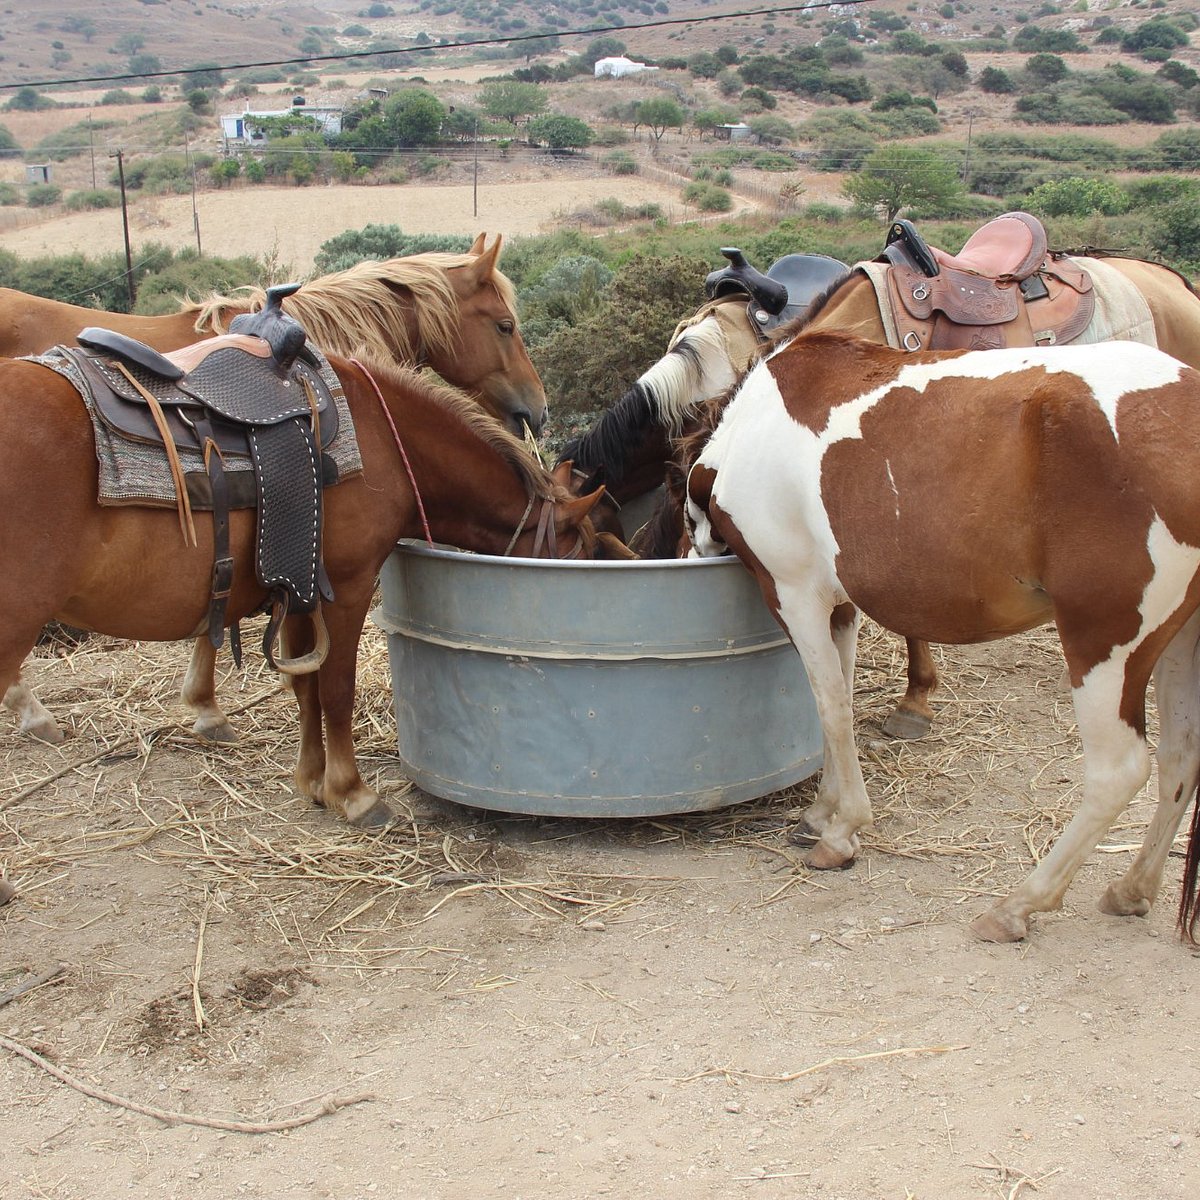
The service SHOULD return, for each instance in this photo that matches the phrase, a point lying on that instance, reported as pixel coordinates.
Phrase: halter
(399, 446)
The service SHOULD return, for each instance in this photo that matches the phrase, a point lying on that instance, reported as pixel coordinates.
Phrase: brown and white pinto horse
(127, 572)
(627, 447)
(452, 313)
(961, 497)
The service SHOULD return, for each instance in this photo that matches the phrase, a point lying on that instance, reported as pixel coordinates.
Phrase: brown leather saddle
(1004, 288)
(256, 393)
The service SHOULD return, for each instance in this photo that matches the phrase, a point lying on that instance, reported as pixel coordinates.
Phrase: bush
(707, 197)
(91, 198)
(9, 195)
(42, 195)
(380, 242)
(620, 162)
(1077, 196)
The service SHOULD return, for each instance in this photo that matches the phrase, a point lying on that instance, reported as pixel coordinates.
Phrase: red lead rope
(399, 446)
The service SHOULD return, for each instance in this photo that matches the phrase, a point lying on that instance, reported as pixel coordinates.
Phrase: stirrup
(306, 663)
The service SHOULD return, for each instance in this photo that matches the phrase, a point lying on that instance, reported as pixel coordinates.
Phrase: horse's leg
(1116, 763)
(328, 695)
(200, 694)
(34, 718)
(843, 629)
(842, 803)
(1177, 691)
(912, 717)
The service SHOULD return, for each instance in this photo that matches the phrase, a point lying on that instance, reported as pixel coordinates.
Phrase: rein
(545, 532)
(400, 446)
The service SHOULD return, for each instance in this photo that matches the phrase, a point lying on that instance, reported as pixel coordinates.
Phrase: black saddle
(785, 292)
(254, 393)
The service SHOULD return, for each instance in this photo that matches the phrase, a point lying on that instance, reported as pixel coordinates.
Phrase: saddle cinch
(1002, 289)
(255, 393)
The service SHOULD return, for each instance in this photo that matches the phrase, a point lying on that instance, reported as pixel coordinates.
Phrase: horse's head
(486, 356)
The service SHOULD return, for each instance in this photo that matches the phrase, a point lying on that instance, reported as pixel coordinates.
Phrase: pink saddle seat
(1012, 246)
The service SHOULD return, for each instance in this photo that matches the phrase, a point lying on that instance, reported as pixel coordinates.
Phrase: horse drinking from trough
(126, 571)
(627, 447)
(1046, 485)
(452, 313)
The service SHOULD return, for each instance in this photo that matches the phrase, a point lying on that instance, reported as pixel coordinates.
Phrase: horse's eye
(506, 328)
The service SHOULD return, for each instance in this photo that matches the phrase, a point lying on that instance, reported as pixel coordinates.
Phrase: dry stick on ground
(177, 1118)
(30, 984)
(840, 1060)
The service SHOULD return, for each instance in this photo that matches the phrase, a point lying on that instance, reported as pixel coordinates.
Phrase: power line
(774, 10)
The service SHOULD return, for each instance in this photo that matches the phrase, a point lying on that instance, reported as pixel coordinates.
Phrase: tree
(413, 117)
(1046, 68)
(898, 177)
(9, 147)
(560, 132)
(510, 100)
(660, 113)
(996, 80)
(1078, 196)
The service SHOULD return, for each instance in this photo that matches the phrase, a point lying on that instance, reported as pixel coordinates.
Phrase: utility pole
(967, 157)
(92, 151)
(475, 174)
(187, 154)
(119, 155)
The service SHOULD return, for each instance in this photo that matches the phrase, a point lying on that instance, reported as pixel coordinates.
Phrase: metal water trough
(591, 689)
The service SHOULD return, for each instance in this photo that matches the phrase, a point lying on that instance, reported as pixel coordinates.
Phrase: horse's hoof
(823, 857)
(376, 817)
(907, 725)
(45, 730)
(996, 925)
(1116, 903)
(212, 729)
(7, 891)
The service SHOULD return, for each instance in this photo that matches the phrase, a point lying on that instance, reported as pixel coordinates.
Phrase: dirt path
(557, 1008)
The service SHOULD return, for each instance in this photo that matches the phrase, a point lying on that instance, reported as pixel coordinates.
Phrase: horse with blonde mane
(454, 314)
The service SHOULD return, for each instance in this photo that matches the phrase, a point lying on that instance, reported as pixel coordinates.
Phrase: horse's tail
(1189, 900)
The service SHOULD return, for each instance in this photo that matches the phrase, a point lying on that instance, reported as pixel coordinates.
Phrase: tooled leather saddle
(1002, 289)
(255, 393)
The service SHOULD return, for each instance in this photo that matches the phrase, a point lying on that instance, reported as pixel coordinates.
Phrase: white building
(619, 67)
(246, 127)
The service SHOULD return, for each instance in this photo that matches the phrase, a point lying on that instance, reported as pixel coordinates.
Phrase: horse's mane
(369, 304)
(663, 396)
(466, 411)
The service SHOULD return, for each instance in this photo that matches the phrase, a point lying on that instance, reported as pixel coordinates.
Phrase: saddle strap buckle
(912, 340)
(222, 578)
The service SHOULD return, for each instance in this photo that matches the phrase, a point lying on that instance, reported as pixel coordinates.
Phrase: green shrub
(707, 197)
(90, 198)
(42, 195)
(1077, 196)
(10, 194)
(620, 162)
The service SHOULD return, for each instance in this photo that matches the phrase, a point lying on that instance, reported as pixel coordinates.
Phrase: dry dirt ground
(565, 1008)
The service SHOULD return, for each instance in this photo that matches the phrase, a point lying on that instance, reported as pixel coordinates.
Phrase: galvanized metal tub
(591, 689)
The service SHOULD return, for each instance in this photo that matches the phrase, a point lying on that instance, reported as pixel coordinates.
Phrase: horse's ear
(478, 244)
(484, 265)
(562, 473)
(571, 512)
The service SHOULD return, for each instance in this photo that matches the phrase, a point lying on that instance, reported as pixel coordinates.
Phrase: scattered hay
(132, 778)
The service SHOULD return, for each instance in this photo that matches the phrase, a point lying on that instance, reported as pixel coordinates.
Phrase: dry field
(486, 1006)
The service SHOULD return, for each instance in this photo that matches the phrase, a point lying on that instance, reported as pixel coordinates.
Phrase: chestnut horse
(455, 313)
(1057, 484)
(627, 447)
(126, 571)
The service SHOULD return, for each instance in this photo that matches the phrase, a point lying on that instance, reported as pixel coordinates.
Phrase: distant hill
(70, 39)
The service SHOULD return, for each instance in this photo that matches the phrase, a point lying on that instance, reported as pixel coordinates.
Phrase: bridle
(545, 532)
(545, 528)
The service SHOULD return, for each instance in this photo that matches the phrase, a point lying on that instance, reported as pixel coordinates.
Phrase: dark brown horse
(1046, 485)
(126, 571)
(627, 447)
